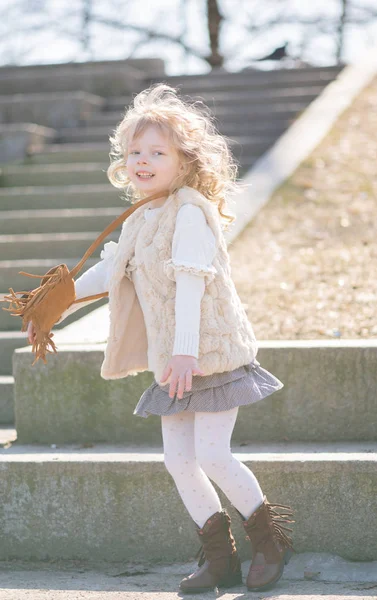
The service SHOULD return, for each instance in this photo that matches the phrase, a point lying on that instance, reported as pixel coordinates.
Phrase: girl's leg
(197, 492)
(219, 563)
(213, 432)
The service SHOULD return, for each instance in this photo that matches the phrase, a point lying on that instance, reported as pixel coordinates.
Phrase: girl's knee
(213, 464)
(177, 465)
(171, 464)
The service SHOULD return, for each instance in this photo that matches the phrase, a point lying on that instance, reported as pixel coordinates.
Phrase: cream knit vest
(227, 339)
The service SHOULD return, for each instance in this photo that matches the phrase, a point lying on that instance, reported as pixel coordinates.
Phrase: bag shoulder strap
(111, 228)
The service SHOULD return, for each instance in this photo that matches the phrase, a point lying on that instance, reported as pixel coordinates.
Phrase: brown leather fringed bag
(45, 304)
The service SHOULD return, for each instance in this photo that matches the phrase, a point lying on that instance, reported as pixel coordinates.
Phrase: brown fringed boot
(219, 563)
(271, 547)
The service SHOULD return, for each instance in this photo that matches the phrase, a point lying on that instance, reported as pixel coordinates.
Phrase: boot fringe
(277, 519)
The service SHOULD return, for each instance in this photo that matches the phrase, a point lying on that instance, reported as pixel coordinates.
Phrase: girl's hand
(182, 368)
(31, 332)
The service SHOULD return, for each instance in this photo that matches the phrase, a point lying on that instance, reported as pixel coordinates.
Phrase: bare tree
(344, 5)
(86, 22)
(327, 25)
(214, 19)
(82, 23)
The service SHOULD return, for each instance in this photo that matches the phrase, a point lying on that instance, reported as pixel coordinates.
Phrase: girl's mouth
(144, 175)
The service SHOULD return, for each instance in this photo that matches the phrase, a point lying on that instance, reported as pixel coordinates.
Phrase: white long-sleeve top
(193, 250)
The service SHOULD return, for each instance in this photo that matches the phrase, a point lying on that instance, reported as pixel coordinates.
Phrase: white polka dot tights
(196, 448)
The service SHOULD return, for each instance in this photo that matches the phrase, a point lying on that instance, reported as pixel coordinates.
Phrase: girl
(174, 310)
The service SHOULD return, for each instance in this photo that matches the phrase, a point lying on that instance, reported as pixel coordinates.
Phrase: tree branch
(152, 34)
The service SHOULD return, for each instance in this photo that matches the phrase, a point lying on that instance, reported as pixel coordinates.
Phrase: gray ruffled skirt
(212, 393)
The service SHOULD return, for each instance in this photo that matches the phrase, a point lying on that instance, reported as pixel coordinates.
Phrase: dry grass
(306, 267)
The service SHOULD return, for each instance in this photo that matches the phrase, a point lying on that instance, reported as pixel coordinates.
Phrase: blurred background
(191, 36)
(304, 263)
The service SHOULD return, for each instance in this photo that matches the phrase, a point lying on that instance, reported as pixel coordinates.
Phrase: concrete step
(223, 113)
(49, 109)
(42, 175)
(328, 394)
(55, 197)
(9, 341)
(53, 245)
(57, 220)
(98, 502)
(228, 97)
(97, 151)
(253, 79)
(274, 125)
(17, 139)
(313, 575)
(98, 77)
(6, 399)
(69, 153)
(10, 277)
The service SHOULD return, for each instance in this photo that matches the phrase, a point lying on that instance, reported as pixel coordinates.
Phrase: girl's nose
(141, 159)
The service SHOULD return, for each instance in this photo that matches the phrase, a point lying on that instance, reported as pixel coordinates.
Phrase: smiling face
(152, 162)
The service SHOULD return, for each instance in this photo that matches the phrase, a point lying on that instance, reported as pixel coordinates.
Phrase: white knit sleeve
(190, 266)
(94, 281)
(189, 293)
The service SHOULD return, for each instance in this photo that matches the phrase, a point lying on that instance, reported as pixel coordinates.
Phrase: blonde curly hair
(209, 165)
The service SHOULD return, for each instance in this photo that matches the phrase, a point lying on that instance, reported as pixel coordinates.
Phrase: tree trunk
(214, 18)
(86, 21)
(340, 30)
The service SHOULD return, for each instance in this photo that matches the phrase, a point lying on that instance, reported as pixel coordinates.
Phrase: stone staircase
(85, 479)
(55, 197)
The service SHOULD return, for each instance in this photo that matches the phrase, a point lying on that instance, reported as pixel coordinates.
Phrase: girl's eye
(137, 152)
